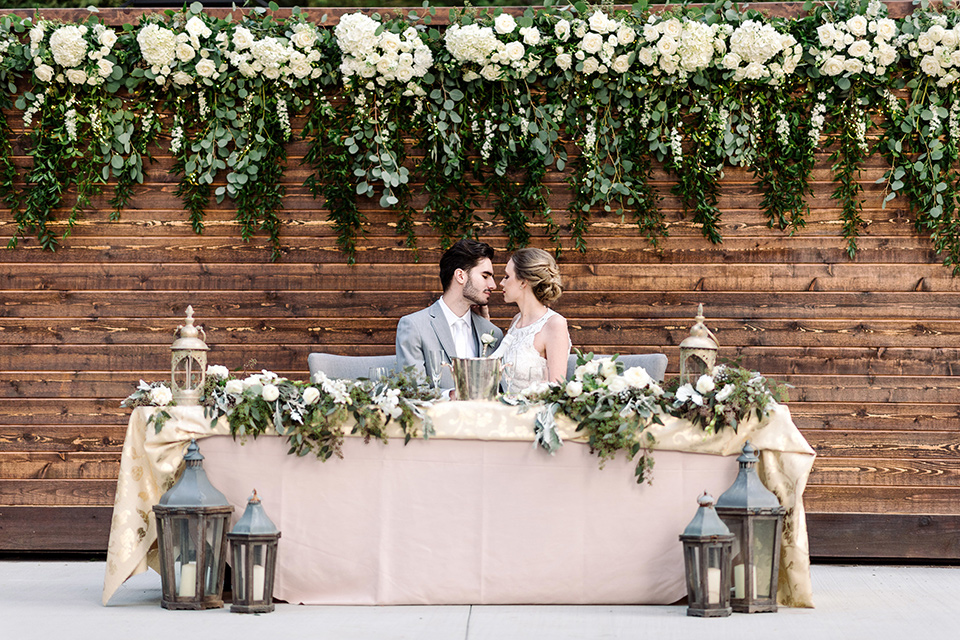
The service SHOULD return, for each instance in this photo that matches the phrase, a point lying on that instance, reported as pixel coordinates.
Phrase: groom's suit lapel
(438, 322)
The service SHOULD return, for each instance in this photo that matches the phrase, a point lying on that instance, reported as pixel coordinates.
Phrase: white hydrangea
(158, 45)
(679, 47)
(758, 52)
(68, 45)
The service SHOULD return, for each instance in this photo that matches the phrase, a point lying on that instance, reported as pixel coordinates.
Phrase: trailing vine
(474, 116)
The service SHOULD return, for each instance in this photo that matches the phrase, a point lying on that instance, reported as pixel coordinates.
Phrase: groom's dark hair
(464, 254)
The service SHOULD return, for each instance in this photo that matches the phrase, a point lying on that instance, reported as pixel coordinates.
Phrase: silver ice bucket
(476, 378)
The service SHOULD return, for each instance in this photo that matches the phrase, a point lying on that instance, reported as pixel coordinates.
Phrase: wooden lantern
(188, 365)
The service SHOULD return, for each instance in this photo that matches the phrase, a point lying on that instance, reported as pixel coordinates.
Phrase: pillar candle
(258, 580)
(188, 580)
(713, 586)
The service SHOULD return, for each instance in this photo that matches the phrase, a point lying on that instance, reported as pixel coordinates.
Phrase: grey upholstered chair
(655, 364)
(352, 367)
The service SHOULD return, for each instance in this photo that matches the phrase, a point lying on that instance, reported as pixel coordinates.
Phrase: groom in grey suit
(454, 323)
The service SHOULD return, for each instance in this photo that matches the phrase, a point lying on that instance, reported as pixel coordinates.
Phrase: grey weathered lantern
(698, 351)
(254, 544)
(192, 519)
(707, 544)
(188, 366)
(755, 517)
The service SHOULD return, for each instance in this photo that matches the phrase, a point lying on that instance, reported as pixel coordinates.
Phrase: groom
(453, 324)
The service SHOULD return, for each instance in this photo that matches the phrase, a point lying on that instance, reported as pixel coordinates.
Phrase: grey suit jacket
(427, 330)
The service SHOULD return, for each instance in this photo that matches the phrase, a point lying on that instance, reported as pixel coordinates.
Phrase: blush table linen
(475, 515)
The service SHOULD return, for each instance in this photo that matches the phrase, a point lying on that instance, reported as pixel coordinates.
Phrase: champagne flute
(435, 364)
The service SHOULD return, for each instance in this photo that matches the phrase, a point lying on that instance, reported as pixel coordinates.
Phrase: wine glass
(377, 373)
(435, 365)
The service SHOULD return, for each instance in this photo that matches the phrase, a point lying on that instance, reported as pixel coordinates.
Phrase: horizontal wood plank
(857, 535)
(62, 528)
(72, 492)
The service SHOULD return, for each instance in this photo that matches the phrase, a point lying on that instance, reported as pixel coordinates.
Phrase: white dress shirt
(462, 330)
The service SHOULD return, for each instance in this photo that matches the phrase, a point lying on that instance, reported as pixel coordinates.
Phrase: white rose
(197, 29)
(686, 392)
(531, 36)
(185, 52)
(76, 76)
(108, 38)
(562, 30)
(574, 388)
(304, 38)
(621, 64)
(645, 56)
(626, 35)
(705, 384)
(852, 66)
(104, 68)
(590, 65)
(857, 25)
(617, 384)
(949, 39)
(217, 371)
(668, 65)
(936, 32)
(206, 68)
(242, 38)
(270, 392)
(491, 72)
(504, 23)
(44, 73)
(182, 79)
(930, 66)
(608, 367)
(925, 42)
(311, 395)
(564, 60)
(827, 34)
(667, 46)
(650, 32)
(730, 61)
(515, 50)
(832, 66)
(252, 381)
(161, 396)
(725, 393)
(859, 49)
(886, 29)
(592, 43)
(672, 28)
(637, 377)
(234, 386)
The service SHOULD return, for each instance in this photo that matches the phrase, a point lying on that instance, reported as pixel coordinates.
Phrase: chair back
(655, 364)
(351, 367)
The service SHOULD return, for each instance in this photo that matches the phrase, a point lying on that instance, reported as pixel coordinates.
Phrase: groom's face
(479, 283)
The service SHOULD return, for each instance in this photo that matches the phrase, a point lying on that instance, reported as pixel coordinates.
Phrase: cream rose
(574, 388)
(311, 395)
(234, 386)
(859, 49)
(270, 392)
(672, 28)
(637, 377)
(590, 65)
(832, 66)
(161, 396)
(206, 68)
(504, 24)
(76, 76)
(564, 60)
(44, 73)
(705, 384)
(515, 51)
(617, 384)
(104, 68)
(621, 64)
(857, 25)
(217, 371)
(592, 43)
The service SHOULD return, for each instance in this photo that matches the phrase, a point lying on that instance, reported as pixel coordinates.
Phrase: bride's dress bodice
(523, 364)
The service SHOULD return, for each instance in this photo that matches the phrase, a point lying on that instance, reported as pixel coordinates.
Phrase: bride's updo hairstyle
(539, 270)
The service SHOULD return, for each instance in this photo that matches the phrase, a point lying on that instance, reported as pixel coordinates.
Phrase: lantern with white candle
(707, 543)
(755, 517)
(254, 543)
(192, 520)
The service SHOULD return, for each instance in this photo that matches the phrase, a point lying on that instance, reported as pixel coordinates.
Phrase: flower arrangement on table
(612, 406)
(310, 415)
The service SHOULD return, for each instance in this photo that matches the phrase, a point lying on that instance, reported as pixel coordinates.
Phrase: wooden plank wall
(869, 344)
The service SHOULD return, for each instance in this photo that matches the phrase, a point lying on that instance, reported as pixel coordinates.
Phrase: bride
(537, 344)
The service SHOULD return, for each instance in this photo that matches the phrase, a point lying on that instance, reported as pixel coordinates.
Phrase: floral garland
(490, 104)
(612, 406)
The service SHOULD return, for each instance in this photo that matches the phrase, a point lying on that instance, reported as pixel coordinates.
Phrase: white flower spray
(71, 119)
(676, 145)
(817, 115)
(284, 117)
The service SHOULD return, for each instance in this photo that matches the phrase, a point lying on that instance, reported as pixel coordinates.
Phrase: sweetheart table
(475, 515)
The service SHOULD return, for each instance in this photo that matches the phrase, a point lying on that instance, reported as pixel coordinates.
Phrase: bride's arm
(556, 347)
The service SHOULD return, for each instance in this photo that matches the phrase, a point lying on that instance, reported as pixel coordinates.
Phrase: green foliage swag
(472, 116)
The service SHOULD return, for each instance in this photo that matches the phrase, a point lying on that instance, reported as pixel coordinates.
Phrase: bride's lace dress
(523, 364)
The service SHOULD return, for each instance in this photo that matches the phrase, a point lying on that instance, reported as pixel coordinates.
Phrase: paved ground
(62, 600)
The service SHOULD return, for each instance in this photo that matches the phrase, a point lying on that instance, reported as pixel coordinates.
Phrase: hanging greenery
(464, 122)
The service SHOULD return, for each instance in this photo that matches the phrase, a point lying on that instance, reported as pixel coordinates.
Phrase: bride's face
(511, 285)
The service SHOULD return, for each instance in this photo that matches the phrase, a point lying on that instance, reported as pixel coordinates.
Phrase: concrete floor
(54, 599)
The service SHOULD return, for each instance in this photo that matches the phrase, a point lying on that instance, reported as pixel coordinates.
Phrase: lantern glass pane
(187, 373)
(764, 530)
(259, 574)
(212, 542)
(185, 555)
(692, 562)
(239, 569)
